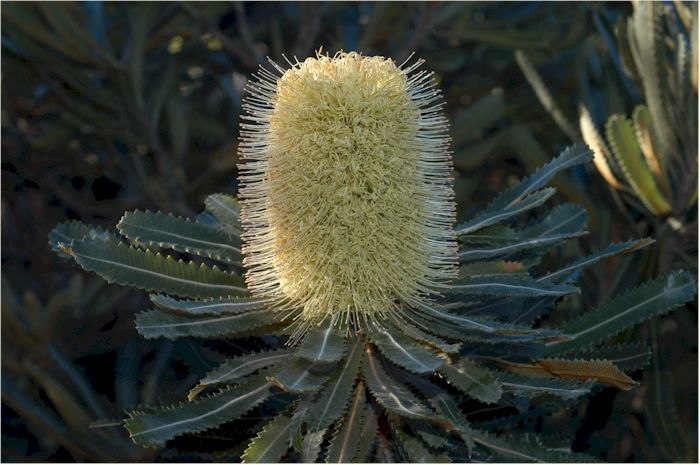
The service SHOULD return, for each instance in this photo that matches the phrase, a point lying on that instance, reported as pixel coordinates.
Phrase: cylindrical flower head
(346, 189)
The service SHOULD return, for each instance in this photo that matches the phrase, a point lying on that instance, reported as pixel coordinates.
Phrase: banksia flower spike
(387, 315)
(346, 189)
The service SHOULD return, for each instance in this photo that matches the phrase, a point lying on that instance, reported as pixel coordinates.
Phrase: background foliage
(117, 106)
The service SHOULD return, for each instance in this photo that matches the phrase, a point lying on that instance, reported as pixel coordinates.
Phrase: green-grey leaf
(243, 365)
(516, 246)
(271, 442)
(389, 393)
(404, 351)
(301, 375)
(526, 386)
(473, 380)
(415, 452)
(576, 154)
(333, 398)
(493, 216)
(368, 436)
(180, 234)
(500, 285)
(629, 156)
(627, 357)
(345, 441)
(654, 297)
(525, 448)
(120, 263)
(152, 429)
(69, 231)
(209, 307)
(323, 344)
(226, 209)
(156, 323)
(614, 249)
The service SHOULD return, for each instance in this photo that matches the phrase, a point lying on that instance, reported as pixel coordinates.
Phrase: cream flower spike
(346, 191)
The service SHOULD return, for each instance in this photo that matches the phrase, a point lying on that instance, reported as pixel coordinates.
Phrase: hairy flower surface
(347, 201)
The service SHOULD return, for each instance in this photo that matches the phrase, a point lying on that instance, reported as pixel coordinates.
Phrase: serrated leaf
(654, 297)
(444, 405)
(576, 154)
(626, 357)
(493, 216)
(129, 266)
(331, 402)
(612, 250)
(643, 129)
(243, 365)
(368, 436)
(602, 158)
(209, 307)
(156, 323)
(415, 452)
(602, 371)
(323, 344)
(271, 442)
(516, 246)
(226, 209)
(473, 380)
(403, 350)
(69, 231)
(413, 332)
(531, 387)
(526, 448)
(628, 155)
(180, 234)
(301, 376)
(507, 285)
(389, 393)
(311, 446)
(152, 429)
(565, 219)
(345, 442)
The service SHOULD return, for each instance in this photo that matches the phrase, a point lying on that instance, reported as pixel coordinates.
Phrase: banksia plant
(389, 318)
(653, 156)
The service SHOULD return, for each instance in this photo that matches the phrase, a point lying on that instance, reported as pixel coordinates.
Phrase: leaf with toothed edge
(473, 380)
(301, 375)
(426, 338)
(389, 393)
(345, 442)
(368, 436)
(526, 447)
(69, 231)
(311, 446)
(530, 387)
(156, 323)
(612, 250)
(226, 209)
(211, 306)
(500, 285)
(244, 365)
(627, 357)
(323, 344)
(576, 154)
(152, 429)
(516, 246)
(404, 351)
(654, 297)
(271, 442)
(332, 401)
(415, 451)
(180, 234)
(444, 404)
(496, 216)
(129, 266)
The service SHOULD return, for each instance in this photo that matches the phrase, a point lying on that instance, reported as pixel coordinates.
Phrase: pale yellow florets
(347, 203)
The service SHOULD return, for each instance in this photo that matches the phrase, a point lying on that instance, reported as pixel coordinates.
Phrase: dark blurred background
(110, 107)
